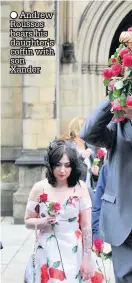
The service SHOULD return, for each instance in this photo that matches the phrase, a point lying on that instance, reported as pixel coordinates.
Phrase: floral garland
(118, 76)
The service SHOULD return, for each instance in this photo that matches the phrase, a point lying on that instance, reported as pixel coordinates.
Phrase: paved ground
(18, 244)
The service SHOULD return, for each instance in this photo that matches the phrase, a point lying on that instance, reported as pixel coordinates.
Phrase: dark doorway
(124, 25)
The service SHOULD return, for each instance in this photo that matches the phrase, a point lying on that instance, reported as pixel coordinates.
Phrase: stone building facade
(36, 108)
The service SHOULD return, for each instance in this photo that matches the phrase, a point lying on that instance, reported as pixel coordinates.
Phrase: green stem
(52, 225)
(104, 270)
(58, 250)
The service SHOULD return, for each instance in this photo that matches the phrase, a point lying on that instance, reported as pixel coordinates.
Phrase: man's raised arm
(95, 130)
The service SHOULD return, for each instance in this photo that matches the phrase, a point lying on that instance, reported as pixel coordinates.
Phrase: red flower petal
(78, 233)
(43, 197)
(97, 278)
(56, 274)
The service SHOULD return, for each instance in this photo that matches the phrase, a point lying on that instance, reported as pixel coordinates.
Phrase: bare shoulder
(37, 189)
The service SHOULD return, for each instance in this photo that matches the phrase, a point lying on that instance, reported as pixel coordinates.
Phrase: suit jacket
(116, 211)
(97, 201)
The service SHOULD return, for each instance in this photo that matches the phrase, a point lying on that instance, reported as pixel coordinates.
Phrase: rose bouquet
(118, 76)
(53, 208)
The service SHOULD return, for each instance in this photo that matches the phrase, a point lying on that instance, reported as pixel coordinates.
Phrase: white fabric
(31, 205)
(85, 204)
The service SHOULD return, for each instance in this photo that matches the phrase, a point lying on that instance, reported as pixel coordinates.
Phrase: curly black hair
(55, 152)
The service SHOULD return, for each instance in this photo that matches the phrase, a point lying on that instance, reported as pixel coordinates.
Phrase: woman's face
(62, 169)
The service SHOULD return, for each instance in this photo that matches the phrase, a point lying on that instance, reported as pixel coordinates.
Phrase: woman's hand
(95, 170)
(87, 269)
(86, 153)
(45, 222)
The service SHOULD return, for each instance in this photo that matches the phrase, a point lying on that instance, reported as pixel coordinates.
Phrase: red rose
(78, 233)
(116, 69)
(43, 197)
(123, 52)
(97, 278)
(127, 60)
(129, 101)
(116, 106)
(72, 201)
(56, 206)
(56, 274)
(130, 29)
(100, 153)
(107, 73)
(98, 243)
(111, 85)
(113, 60)
(44, 274)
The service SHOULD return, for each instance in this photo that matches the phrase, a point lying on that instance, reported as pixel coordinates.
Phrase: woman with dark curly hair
(57, 207)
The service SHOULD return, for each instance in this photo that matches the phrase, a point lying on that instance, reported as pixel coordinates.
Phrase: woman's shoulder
(38, 188)
(81, 186)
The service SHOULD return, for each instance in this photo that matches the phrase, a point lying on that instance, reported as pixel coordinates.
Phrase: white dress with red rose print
(58, 251)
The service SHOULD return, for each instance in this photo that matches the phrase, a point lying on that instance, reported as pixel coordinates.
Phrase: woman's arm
(87, 268)
(85, 220)
(32, 219)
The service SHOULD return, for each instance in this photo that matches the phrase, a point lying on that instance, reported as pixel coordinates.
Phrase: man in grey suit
(116, 211)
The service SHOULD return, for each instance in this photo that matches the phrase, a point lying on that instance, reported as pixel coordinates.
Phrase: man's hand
(128, 112)
(86, 153)
(95, 170)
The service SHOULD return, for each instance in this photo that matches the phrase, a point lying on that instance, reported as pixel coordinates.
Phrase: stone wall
(11, 86)
(39, 98)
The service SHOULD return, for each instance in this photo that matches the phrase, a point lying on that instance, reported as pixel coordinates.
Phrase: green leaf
(118, 114)
(48, 262)
(96, 161)
(51, 205)
(75, 249)
(120, 46)
(116, 92)
(109, 61)
(115, 54)
(119, 85)
(106, 82)
(99, 269)
(56, 264)
(79, 277)
(50, 238)
(123, 99)
(111, 97)
(107, 255)
(72, 219)
(66, 203)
